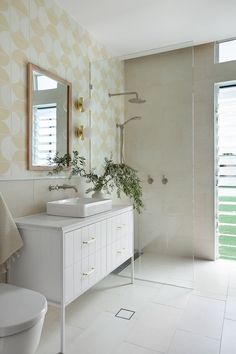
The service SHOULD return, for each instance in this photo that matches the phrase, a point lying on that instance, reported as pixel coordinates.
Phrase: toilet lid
(20, 309)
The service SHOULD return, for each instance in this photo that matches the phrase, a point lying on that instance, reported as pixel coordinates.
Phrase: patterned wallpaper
(39, 31)
(106, 76)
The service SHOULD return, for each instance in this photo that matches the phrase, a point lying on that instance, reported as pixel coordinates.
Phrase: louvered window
(226, 171)
(44, 133)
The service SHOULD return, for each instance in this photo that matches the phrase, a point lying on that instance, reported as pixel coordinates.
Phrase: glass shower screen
(160, 147)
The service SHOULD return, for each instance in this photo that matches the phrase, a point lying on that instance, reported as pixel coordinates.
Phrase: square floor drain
(125, 314)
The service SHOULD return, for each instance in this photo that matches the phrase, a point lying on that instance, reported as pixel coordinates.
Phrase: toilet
(22, 314)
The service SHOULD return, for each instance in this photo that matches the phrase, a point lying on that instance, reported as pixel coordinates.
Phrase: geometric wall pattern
(39, 31)
(106, 76)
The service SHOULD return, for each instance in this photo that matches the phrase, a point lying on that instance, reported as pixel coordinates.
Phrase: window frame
(217, 52)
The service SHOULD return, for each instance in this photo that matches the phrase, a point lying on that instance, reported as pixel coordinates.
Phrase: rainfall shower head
(136, 99)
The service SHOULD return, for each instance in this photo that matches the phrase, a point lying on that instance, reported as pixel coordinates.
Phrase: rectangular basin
(78, 207)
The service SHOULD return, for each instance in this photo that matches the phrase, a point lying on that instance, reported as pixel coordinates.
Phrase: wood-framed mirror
(49, 117)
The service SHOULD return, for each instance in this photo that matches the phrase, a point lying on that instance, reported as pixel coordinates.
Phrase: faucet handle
(53, 188)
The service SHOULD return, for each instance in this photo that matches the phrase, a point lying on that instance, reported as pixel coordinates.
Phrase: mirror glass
(49, 107)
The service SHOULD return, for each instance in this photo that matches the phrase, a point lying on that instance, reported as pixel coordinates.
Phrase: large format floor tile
(203, 316)
(230, 312)
(172, 296)
(228, 344)
(104, 335)
(154, 267)
(211, 280)
(85, 310)
(189, 343)
(127, 348)
(155, 328)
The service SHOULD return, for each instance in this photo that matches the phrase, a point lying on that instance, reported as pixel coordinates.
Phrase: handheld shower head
(127, 121)
(121, 126)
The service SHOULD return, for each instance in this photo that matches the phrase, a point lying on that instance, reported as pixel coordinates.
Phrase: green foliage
(76, 164)
(116, 175)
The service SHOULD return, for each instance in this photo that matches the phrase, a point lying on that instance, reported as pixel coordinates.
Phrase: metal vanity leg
(132, 269)
(62, 325)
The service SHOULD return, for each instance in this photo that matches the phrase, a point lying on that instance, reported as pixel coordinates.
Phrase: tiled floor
(174, 270)
(167, 319)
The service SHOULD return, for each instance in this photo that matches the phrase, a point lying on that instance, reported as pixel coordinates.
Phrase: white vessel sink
(78, 207)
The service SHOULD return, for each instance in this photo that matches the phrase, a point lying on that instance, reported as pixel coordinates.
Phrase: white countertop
(43, 220)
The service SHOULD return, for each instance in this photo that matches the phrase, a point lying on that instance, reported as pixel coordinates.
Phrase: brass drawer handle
(120, 251)
(93, 239)
(87, 274)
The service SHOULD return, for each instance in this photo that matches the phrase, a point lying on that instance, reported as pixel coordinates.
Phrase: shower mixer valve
(164, 180)
(150, 180)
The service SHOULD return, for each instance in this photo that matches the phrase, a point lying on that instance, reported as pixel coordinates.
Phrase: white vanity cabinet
(63, 257)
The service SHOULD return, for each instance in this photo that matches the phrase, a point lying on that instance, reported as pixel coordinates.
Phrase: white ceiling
(130, 26)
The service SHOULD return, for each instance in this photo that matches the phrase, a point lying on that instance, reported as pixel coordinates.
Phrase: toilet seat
(20, 309)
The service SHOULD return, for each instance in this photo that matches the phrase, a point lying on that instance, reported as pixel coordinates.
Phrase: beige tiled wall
(161, 144)
(39, 31)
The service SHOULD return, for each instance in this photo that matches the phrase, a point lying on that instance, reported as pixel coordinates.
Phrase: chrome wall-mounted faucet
(57, 187)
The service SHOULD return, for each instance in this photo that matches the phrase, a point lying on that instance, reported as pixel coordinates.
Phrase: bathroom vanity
(63, 257)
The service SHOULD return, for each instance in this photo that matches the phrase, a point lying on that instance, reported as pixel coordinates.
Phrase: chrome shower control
(150, 180)
(164, 180)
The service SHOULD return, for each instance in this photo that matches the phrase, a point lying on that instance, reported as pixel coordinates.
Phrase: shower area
(160, 147)
(154, 136)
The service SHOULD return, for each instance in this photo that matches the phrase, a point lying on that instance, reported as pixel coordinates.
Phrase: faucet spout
(69, 186)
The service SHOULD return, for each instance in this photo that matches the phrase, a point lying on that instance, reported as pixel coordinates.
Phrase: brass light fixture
(79, 132)
(81, 104)
(83, 132)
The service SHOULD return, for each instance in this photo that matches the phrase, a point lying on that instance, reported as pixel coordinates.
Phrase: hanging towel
(10, 239)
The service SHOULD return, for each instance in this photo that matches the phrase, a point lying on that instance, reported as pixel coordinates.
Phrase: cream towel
(10, 239)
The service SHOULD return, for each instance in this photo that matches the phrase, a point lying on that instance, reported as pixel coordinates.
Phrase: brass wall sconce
(83, 132)
(81, 104)
(79, 132)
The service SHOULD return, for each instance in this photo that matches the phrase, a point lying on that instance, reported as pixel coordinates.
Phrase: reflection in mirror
(49, 108)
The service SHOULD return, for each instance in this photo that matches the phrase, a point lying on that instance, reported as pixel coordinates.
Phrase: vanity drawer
(118, 227)
(88, 241)
(114, 229)
(115, 255)
(120, 248)
(93, 238)
(90, 270)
